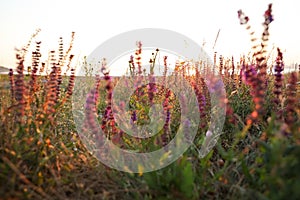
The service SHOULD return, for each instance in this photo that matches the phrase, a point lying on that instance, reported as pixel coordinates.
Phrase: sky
(97, 21)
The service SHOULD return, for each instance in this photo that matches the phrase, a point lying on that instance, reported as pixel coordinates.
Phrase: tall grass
(256, 157)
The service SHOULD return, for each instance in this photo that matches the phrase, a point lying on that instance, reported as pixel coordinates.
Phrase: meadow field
(257, 156)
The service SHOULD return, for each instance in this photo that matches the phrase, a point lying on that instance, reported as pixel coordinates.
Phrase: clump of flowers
(255, 72)
(39, 95)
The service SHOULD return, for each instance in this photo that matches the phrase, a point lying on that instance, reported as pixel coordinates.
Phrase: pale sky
(96, 21)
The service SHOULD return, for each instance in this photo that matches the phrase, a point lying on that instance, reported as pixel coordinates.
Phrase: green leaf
(187, 183)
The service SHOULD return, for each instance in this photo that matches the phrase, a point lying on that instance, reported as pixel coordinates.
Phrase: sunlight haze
(96, 21)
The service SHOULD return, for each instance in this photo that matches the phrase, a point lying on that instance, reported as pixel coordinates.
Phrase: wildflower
(90, 121)
(268, 15)
(278, 82)
(291, 102)
(35, 63)
(138, 53)
(133, 116)
(243, 19)
(208, 134)
(167, 110)
(20, 91)
(70, 86)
